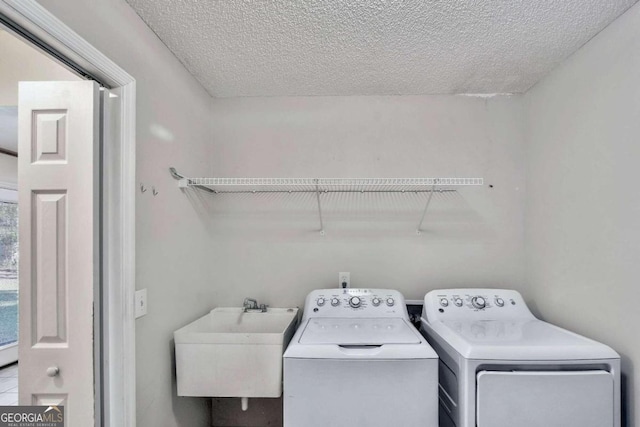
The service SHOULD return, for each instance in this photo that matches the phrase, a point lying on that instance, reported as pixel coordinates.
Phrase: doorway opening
(20, 62)
(114, 356)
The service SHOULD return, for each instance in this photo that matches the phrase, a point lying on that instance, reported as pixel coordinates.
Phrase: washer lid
(359, 331)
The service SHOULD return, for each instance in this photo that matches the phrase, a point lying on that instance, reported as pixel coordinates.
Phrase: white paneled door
(58, 178)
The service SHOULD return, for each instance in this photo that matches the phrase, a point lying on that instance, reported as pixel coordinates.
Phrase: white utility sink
(230, 353)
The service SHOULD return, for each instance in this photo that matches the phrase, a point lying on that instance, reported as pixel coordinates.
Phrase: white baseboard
(8, 354)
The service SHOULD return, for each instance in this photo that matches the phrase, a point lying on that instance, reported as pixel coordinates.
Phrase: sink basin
(230, 353)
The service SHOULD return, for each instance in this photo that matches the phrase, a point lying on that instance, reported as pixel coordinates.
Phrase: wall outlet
(141, 303)
(344, 280)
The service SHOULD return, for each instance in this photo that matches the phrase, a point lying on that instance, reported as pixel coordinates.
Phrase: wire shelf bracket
(424, 212)
(319, 210)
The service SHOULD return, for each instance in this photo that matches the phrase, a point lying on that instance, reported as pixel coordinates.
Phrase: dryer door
(549, 399)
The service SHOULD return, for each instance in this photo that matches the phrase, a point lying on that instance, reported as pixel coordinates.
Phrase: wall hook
(153, 190)
(143, 189)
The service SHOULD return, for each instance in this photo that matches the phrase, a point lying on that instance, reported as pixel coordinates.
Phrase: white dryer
(502, 367)
(356, 361)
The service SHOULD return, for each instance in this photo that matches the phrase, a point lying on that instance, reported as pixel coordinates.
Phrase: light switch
(141, 303)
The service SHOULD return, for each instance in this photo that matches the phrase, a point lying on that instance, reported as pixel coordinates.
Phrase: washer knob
(354, 302)
(458, 302)
(376, 302)
(335, 302)
(444, 302)
(478, 302)
(321, 301)
(390, 302)
(499, 302)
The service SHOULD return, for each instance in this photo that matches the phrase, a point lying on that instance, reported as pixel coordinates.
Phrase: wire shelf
(320, 186)
(327, 185)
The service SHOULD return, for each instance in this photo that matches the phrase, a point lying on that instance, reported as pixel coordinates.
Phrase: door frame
(32, 21)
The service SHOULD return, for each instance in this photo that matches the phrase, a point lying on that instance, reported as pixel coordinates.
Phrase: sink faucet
(251, 306)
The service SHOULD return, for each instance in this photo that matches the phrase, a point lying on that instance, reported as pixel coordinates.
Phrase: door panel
(545, 399)
(49, 290)
(58, 196)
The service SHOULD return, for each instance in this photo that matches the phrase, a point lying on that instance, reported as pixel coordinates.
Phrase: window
(8, 273)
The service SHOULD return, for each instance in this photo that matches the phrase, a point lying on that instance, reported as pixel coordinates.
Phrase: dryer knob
(478, 302)
(499, 302)
(321, 301)
(390, 302)
(354, 302)
(458, 302)
(335, 302)
(376, 302)
(444, 302)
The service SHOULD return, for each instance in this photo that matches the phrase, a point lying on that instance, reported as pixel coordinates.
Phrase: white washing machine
(502, 367)
(356, 361)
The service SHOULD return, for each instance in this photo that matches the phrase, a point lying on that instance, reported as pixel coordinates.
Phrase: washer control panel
(474, 304)
(352, 302)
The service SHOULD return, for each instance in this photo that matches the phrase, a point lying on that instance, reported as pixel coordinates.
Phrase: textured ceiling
(358, 47)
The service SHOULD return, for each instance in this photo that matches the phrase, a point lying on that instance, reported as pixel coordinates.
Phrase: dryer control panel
(352, 302)
(474, 304)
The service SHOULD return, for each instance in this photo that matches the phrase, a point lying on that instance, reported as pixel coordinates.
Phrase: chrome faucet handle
(250, 303)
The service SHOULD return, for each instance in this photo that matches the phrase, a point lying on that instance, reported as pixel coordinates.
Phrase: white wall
(583, 203)
(173, 113)
(21, 62)
(269, 247)
(8, 170)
